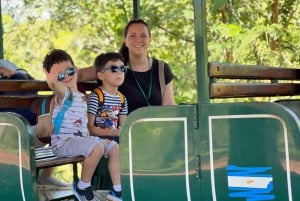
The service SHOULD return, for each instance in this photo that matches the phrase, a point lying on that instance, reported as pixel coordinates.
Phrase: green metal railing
(1, 33)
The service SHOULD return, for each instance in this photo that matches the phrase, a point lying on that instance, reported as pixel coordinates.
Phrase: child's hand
(116, 132)
(53, 83)
(52, 76)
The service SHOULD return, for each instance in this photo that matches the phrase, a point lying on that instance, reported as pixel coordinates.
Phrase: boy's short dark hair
(103, 58)
(56, 56)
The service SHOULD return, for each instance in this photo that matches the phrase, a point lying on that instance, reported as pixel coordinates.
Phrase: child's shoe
(114, 195)
(83, 195)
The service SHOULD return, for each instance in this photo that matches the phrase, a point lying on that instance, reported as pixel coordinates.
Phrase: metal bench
(44, 158)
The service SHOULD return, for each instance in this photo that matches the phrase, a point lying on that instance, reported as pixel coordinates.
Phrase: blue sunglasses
(70, 71)
(115, 69)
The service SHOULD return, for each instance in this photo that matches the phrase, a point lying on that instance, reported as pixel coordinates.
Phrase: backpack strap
(100, 95)
(122, 99)
(161, 76)
(45, 127)
(43, 106)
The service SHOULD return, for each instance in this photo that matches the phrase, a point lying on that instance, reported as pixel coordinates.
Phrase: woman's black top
(137, 85)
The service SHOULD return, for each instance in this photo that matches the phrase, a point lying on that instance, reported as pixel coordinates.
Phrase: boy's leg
(90, 163)
(115, 194)
(114, 165)
(92, 150)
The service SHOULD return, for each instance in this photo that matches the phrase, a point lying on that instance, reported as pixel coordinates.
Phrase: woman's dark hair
(124, 50)
(56, 56)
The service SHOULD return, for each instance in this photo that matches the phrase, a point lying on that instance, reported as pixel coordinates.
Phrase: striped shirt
(107, 116)
(75, 119)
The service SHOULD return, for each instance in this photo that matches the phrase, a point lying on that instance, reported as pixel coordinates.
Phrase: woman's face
(137, 39)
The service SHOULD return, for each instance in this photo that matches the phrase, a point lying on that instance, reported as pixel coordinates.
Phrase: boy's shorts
(81, 146)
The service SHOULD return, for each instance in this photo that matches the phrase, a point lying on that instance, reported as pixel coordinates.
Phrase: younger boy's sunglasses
(115, 69)
(70, 71)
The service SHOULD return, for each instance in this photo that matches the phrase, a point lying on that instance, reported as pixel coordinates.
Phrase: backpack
(100, 94)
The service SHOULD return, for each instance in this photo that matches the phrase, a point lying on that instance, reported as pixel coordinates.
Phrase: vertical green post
(1, 33)
(201, 51)
(136, 9)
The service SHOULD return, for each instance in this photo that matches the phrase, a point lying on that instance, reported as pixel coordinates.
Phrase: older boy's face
(63, 72)
(67, 74)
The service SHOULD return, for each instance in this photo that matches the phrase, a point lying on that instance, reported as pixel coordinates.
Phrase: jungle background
(261, 32)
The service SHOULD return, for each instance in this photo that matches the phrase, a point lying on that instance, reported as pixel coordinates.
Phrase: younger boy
(69, 116)
(106, 116)
(107, 108)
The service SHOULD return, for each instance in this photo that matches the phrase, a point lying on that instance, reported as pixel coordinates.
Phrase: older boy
(69, 116)
(9, 71)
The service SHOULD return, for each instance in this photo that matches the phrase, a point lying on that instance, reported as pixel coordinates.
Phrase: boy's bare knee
(98, 149)
(114, 151)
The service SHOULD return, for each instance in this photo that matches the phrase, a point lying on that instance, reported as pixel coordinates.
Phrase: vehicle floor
(47, 195)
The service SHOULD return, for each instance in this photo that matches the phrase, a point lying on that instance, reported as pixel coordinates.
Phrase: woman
(141, 85)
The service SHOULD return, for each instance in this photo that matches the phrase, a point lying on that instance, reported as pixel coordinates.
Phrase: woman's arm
(168, 98)
(86, 74)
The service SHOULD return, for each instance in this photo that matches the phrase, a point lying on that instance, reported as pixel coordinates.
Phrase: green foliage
(247, 32)
(263, 36)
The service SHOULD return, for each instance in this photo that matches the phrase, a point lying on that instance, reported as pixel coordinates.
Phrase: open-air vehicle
(204, 151)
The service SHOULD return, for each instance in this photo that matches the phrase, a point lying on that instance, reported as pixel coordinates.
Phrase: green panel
(16, 159)
(158, 154)
(201, 51)
(249, 152)
(1, 34)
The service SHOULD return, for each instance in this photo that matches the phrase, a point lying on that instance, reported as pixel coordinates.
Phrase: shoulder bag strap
(161, 76)
(60, 116)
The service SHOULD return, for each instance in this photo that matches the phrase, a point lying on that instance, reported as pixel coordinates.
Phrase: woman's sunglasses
(70, 71)
(115, 69)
